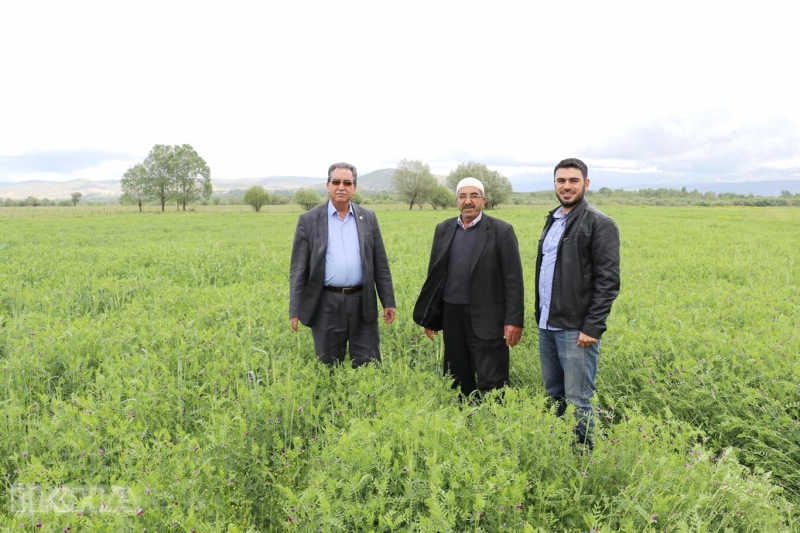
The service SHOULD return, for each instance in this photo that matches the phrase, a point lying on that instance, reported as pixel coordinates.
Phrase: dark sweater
(456, 286)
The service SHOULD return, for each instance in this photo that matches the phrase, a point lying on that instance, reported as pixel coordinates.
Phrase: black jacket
(496, 291)
(586, 277)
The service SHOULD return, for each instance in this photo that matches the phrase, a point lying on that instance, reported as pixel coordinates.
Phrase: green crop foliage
(150, 381)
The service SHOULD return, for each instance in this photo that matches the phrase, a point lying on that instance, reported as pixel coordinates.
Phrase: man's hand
(512, 335)
(388, 314)
(430, 333)
(585, 340)
(293, 323)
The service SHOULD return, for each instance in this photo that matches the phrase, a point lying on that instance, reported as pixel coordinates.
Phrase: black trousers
(466, 356)
(339, 321)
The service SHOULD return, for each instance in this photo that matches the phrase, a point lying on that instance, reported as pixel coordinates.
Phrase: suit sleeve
(511, 268)
(605, 255)
(300, 266)
(383, 276)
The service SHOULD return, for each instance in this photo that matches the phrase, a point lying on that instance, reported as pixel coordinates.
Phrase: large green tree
(133, 184)
(176, 172)
(76, 197)
(159, 183)
(413, 182)
(256, 197)
(497, 188)
(191, 175)
(307, 198)
(442, 197)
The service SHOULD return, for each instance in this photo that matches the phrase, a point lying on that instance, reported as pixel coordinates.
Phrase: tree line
(666, 197)
(257, 197)
(168, 173)
(414, 184)
(32, 201)
(178, 173)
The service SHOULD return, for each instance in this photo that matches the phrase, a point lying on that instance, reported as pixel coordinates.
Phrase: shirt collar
(477, 219)
(559, 213)
(332, 209)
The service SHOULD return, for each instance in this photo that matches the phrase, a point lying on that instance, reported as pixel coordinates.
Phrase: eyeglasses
(347, 183)
(472, 196)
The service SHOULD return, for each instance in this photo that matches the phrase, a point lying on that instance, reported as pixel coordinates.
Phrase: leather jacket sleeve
(606, 274)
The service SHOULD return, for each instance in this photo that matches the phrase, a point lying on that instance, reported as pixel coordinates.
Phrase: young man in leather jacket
(577, 280)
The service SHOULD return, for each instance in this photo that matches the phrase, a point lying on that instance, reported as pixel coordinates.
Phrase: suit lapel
(321, 244)
(447, 242)
(480, 241)
(359, 219)
(322, 227)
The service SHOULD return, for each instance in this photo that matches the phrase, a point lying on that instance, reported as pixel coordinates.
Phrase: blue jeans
(569, 372)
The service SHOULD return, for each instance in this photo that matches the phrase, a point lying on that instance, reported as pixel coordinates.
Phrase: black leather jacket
(586, 277)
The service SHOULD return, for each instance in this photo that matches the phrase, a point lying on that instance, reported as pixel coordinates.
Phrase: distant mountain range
(378, 180)
(106, 190)
(60, 190)
(763, 183)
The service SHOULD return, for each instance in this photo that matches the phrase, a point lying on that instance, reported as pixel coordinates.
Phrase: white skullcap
(470, 182)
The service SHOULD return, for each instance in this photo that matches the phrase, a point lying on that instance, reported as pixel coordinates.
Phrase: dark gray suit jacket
(496, 292)
(307, 274)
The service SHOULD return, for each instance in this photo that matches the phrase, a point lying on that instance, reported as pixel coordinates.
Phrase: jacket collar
(471, 224)
(578, 208)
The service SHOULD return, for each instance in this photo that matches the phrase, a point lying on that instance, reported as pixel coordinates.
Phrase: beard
(575, 200)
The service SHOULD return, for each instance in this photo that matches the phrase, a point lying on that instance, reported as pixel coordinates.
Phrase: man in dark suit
(338, 263)
(474, 293)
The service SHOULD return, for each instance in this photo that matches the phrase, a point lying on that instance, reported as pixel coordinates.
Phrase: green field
(150, 381)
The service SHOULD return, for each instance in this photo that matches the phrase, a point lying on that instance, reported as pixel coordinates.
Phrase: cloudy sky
(286, 88)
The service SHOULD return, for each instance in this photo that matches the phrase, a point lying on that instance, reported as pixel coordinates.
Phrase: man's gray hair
(348, 166)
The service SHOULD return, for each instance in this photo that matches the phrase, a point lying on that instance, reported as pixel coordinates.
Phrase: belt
(343, 290)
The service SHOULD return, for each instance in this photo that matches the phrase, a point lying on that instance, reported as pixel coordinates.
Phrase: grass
(149, 369)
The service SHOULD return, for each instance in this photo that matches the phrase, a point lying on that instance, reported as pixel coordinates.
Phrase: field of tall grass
(151, 382)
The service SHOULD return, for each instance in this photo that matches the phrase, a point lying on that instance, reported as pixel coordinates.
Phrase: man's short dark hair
(573, 163)
(348, 166)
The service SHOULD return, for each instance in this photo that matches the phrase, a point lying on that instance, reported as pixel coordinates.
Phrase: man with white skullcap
(474, 293)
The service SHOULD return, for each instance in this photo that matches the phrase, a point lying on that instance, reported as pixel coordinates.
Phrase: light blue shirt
(549, 256)
(343, 256)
